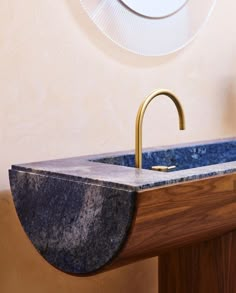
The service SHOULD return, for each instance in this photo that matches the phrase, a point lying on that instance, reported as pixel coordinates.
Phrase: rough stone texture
(75, 226)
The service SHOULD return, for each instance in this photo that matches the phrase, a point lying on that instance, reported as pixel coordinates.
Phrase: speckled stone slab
(77, 211)
(77, 227)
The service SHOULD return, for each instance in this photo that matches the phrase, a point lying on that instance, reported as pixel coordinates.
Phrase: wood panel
(209, 267)
(175, 216)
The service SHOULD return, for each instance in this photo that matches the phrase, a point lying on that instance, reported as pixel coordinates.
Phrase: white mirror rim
(145, 34)
(155, 8)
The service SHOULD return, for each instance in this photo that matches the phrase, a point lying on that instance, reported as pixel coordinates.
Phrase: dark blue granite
(77, 211)
(77, 227)
(201, 160)
(182, 157)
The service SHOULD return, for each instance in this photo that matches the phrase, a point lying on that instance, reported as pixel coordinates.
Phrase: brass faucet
(139, 124)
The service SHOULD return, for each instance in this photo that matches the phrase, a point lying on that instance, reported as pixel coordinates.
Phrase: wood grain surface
(208, 267)
(183, 214)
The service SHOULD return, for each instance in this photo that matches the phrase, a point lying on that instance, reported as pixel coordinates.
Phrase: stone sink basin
(87, 214)
(184, 157)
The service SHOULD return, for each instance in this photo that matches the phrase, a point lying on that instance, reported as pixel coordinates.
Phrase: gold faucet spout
(139, 120)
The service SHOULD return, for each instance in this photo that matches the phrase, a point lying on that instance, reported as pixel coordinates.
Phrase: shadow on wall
(22, 269)
(101, 42)
(230, 105)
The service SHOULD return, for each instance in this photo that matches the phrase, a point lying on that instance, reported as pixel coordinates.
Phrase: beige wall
(66, 90)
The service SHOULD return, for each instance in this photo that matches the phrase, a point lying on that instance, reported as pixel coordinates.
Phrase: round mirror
(149, 27)
(155, 8)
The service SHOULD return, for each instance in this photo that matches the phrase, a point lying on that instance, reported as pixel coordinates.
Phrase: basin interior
(185, 157)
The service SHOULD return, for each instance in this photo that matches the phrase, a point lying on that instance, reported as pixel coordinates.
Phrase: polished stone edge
(77, 227)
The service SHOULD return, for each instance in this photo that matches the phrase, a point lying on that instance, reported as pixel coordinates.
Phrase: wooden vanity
(190, 226)
(87, 215)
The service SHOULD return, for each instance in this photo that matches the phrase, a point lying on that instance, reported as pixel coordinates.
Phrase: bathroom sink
(182, 157)
(89, 213)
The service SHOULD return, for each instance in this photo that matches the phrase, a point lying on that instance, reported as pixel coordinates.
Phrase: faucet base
(163, 168)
